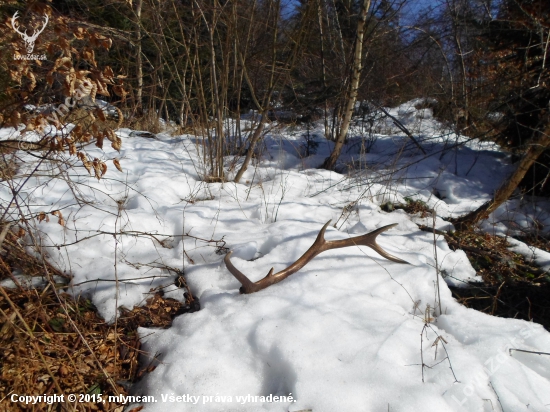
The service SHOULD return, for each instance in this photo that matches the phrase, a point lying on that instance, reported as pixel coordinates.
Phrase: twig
(402, 127)
(4, 232)
(427, 320)
(527, 351)
(494, 309)
(438, 303)
(498, 399)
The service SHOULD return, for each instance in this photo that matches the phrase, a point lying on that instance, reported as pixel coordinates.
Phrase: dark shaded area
(518, 300)
(512, 286)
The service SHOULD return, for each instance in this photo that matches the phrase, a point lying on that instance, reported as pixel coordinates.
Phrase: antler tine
(320, 245)
(247, 285)
(35, 32)
(35, 35)
(13, 21)
(369, 240)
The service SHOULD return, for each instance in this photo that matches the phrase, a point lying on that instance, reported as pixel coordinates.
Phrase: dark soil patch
(411, 206)
(512, 287)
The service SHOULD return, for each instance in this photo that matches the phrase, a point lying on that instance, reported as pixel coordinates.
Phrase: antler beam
(319, 246)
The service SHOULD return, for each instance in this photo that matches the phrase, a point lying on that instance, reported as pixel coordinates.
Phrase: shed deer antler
(319, 246)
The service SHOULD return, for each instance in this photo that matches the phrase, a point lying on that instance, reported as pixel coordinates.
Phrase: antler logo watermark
(29, 40)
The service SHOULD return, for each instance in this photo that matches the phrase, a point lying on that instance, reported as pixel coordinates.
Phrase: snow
(343, 333)
(540, 257)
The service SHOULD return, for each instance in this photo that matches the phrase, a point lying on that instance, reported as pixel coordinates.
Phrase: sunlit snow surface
(343, 333)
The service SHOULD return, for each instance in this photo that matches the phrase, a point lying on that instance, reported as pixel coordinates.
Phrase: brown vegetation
(52, 343)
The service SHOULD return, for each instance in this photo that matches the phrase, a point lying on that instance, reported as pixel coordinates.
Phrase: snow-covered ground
(348, 332)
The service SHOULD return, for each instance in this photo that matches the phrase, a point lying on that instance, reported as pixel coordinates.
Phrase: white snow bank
(539, 257)
(343, 333)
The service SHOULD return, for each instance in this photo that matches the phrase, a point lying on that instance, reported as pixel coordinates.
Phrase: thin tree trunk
(330, 161)
(139, 60)
(238, 108)
(255, 137)
(507, 189)
(217, 171)
(324, 71)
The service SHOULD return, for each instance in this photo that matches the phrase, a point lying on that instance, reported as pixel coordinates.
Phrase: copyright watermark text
(165, 398)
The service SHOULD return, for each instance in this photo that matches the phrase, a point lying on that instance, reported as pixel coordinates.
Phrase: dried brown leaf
(32, 79)
(43, 216)
(70, 79)
(110, 135)
(89, 55)
(107, 43)
(102, 88)
(93, 92)
(77, 131)
(99, 140)
(108, 73)
(79, 33)
(63, 61)
(100, 114)
(97, 168)
(120, 92)
(66, 46)
(88, 165)
(117, 144)
(116, 162)
(15, 118)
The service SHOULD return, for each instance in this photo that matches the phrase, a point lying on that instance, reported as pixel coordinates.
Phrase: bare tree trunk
(239, 87)
(324, 71)
(217, 170)
(139, 60)
(330, 161)
(255, 137)
(505, 191)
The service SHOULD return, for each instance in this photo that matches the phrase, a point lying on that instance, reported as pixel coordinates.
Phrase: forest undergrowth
(54, 343)
(51, 338)
(512, 287)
